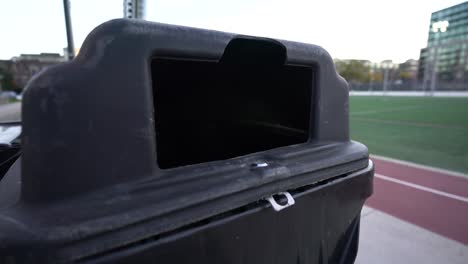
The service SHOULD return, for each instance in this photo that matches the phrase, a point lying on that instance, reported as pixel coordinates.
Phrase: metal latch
(278, 207)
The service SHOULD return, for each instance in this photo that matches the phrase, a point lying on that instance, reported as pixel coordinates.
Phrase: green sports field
(427, 130)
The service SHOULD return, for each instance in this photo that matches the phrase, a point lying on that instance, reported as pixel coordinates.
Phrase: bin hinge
(278, 207)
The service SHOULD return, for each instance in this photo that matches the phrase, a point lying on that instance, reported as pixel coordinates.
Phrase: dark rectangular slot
(208, 110)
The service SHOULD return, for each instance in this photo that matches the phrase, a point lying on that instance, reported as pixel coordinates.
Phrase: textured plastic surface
(308, 232)
(92, 189)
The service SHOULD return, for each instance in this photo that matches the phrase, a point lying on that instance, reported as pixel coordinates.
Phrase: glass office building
(443, 64)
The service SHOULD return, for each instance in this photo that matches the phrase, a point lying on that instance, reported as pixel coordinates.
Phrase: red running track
(431, 199)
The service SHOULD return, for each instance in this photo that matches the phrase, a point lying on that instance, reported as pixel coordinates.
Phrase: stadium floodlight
(440, 25)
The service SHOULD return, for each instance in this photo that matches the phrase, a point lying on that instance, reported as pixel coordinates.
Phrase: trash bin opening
(210, 110)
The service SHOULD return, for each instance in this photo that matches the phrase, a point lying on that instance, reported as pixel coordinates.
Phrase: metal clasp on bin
(278, 207)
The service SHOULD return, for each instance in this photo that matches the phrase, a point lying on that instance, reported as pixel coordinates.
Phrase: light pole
(434, 72)
(441, 26)
(68, 26)
(386, 65)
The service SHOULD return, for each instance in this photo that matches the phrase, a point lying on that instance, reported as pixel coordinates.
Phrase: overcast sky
(364, 29)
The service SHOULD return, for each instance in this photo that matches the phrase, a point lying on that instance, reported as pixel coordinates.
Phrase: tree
(404, 75)
(7, 81)
(353, 70)
(376, 76)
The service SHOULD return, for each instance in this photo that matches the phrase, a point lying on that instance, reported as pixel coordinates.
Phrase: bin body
(171, 144)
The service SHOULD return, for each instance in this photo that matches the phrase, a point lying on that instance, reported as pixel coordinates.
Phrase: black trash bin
(169, 144)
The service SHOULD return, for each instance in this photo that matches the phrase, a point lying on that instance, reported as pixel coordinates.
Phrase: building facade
(23, 67)
(443, 64)
(134, 9)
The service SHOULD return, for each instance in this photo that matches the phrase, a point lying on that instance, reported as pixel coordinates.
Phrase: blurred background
(406, 63)
(377, 45)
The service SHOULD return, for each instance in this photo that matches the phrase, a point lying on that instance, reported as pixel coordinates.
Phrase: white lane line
(422, 188)
(408, 93)
(385, 110)
(419, 166)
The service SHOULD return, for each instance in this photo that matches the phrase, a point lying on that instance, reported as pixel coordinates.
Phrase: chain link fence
(407, 86)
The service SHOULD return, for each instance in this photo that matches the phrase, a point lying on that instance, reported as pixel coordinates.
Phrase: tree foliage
(405, 75)
(7, 81)
(353, 70)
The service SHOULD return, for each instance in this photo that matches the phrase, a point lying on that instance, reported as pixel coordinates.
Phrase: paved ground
(417, 214)
(10, 112)
(385, 239)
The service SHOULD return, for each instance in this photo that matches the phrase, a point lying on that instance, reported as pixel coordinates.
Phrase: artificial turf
(427, 130)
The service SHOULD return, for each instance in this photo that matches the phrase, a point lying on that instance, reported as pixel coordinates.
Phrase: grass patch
(426, 130)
